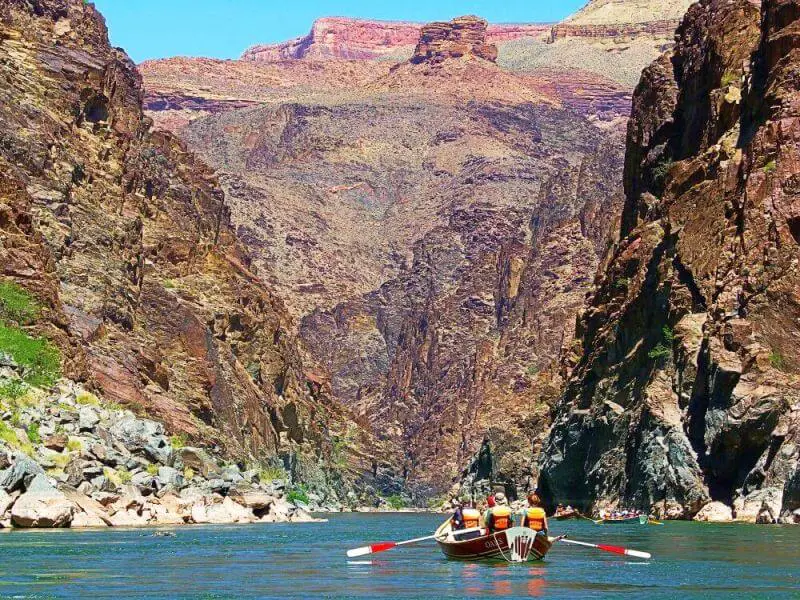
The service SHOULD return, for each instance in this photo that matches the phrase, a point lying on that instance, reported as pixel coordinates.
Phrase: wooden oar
(384, 546)
(612, 549)
(654, 522)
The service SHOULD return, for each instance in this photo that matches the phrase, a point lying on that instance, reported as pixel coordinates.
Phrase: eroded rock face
(358, 39)
(462, 37)
(683, 383)
(125, 239)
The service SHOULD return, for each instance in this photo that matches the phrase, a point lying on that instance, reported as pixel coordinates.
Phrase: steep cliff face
(339, 38)
(125, 238)
(683, 381)
(433, 228)
(462, 37)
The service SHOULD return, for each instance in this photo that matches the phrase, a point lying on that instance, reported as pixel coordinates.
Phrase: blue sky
(224, 28)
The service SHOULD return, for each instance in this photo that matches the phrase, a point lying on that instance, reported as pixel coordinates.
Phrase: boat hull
(641, 520)
(526, 546)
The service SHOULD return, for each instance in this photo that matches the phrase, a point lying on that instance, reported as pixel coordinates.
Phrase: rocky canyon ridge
(433, 216)
(388, 259)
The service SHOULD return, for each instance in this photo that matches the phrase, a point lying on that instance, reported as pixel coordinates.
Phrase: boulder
(90, 514)
(128, 518)
(229, 512)
(170, 476)
(232, 474)
(715, 512)
(56, 442)
(5, 461)
(252, 499)
(42, 505)
(105, 498)
(6, 500)
(88, 418)
(142, 436)
(198, 461)
(762, 506)
(20, 475)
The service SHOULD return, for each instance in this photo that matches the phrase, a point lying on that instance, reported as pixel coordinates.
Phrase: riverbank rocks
(101, 467)
(715, 512)
(42, 505)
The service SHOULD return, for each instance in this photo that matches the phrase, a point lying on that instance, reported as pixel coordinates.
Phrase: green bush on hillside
(40, 359)
(17, 305)
(663, 349)
(396, 502)
(777, 361)
(298, 494)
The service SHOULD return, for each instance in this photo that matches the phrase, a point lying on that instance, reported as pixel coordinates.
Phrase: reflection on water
(305, 561)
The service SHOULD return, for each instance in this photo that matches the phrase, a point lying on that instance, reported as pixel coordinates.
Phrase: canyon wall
(683, 379)
(125, 238)
(359, 39)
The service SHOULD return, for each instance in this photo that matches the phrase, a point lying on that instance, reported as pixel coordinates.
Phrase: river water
(308, 561)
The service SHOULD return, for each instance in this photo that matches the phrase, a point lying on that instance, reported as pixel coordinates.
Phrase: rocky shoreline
(68, 461)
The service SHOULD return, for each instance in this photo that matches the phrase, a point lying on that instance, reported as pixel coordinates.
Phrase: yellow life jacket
(534, 518)
(472, 518)
(501, 518)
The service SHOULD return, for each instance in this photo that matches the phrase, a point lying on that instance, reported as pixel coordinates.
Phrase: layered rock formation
(433, 229)
(462, 37)
(683, 380)
(124, 239)
(340, 38)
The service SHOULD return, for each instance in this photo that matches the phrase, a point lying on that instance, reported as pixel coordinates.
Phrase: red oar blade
(625, 551)
(614, 549)
(373, 549)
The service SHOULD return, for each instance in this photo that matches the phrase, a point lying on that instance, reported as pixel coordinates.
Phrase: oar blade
(613, 549)
(639, 554)
(373, 549)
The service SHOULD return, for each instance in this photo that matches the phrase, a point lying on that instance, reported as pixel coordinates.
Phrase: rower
(457, 520)
(471, 515)
(499, 518)
(534, 517)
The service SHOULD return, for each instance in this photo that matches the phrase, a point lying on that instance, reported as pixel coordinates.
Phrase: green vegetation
(40, 359)
(179, 441)
(771, 167)
(152, 469)
(188, 473)
(268, 474)
(17, 305)
(664, 348)
(12, 389)
(8, 434)
(532, 371)
(124, 475)
(623, 283)
(74, 445)
(777, 361)
(729, 79)
(33, 433)
(661, 170)
(169, 284)
(396, 502)
(298, 493)
(87, 399)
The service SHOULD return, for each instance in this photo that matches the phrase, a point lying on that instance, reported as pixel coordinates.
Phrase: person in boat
(457, 519)
(490, 502)
(534, 516)
(498, 517)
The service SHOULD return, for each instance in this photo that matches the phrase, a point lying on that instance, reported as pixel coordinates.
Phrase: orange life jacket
(501, 518)
(534, 518)
(472, 518)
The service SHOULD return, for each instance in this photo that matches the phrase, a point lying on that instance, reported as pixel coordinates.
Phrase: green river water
(308, 561)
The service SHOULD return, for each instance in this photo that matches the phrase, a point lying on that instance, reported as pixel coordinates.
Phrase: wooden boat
(640, 520)
(518, 544)
(566, 515)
